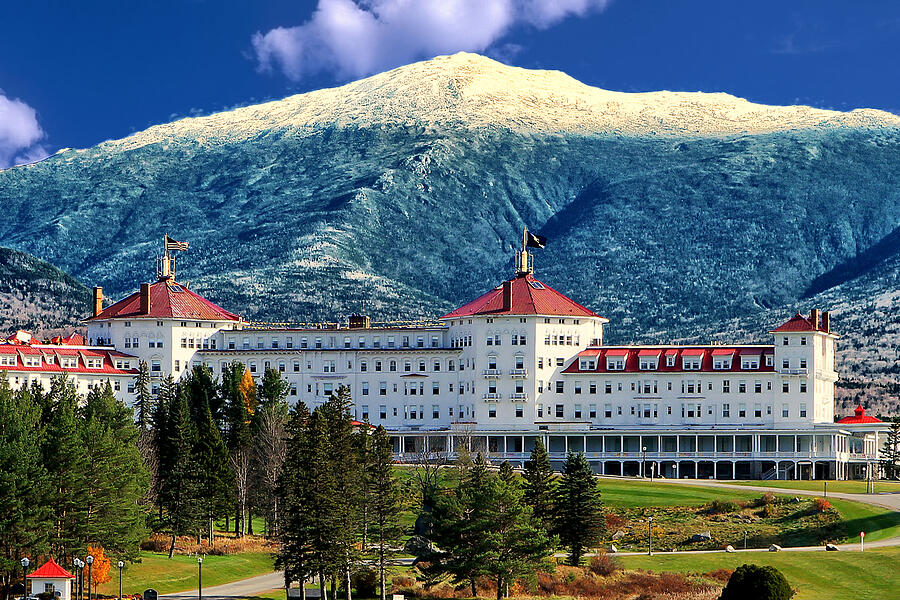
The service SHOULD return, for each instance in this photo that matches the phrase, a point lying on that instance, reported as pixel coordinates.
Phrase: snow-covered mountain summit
(473, 91)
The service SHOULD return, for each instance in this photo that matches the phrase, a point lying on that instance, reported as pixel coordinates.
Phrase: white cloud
(20, 133)
(354, 38)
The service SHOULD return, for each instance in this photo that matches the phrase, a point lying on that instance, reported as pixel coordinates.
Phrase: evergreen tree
(143, 401)
(116, 478)
(25, 512)
(213, 470)
(273, 389)
(514, 543)
(890, 453)
(180, 489)
(202, 391)
(384, 500)
(578, 516)
(296, 554)
(539, 487)
(507, 474)
(66, 460)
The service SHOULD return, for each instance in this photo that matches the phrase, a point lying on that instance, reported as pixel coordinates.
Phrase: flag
(535, 241)
(175, 245)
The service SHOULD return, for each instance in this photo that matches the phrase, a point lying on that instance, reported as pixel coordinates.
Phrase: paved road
(891, 500)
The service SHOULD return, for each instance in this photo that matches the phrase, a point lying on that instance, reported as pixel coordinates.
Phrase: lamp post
(825, 485)
(649, 536)
(121, 564)
(79, 576)
(90, 562)
(199, 577)
(644, 462)
(25, 563)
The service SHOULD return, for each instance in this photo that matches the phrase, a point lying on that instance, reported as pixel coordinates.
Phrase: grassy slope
(638, 493)
(872, 575)
(180, 573)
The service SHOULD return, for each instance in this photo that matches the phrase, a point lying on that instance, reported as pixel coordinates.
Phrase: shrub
(365, 583)
(722, 506)
(766, 499)
(821, 505)
(605, 565)
(769, 510)
(755, 582)
(614, 522)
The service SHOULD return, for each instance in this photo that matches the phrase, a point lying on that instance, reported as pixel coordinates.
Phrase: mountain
(403, 195)
(36, 296)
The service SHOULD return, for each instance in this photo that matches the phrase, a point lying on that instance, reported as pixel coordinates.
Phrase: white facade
(523, 362)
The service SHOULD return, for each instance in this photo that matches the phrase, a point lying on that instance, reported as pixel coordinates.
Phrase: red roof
(632, 360)
(168, 300)
(724, 352)
(49, 570)
(859, 417)
(527, 296)
(797, 323)
(649, 352)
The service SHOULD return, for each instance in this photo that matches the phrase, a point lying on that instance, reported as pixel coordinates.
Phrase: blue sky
(73, 74)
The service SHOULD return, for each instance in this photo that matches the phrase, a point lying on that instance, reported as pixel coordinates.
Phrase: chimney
(98, 300)
(826, 321)
(145, 298)
(507, 295)
(814, 318)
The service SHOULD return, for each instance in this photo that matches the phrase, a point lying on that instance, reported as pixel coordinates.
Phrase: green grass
(872, 575)
(179, 573)
(878, 523)
(624, 493)
(846, 487)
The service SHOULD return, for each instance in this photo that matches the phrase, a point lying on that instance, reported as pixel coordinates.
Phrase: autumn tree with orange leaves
(100, 568)
(239, 390)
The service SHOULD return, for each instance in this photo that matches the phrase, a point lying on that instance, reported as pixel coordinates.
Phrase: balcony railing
(492, 396)
(519, 396)
(519, 373)
(803, 371)
(488, 373)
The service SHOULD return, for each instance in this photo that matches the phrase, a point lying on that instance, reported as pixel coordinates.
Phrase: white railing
(517, 373)
(519, 396)
(491, 372)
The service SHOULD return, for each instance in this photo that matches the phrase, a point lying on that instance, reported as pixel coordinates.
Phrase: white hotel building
(523, 362)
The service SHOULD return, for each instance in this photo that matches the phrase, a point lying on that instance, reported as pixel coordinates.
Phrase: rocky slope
(36, 296)
(403, 194)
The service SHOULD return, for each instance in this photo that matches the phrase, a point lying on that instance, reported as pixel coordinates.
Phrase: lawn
(625, 493)
(846, 487)
(872, 575)
(878, 523)
(179, 573)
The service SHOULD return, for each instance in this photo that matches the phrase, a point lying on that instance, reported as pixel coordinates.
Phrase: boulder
(729, 548)
(613, 549)
(618, 535)
(704, 536)
(831, 548)
(774, 548)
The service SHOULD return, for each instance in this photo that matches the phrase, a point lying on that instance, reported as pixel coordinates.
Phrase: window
(577, 411)
(726, 410)
(757, 410)
(363, 366)
(726, 386)
(560, 362)
(392, 366)
(784, 341)
(607, 387)
(520, 362)
(421, 365)
(592, 387)
(289, 342)
(382, 388)
(785, 411)
(802, 363)
(275, 343)
(742, 387)
(670, 360)
(691, 363)
(436, 367)
(365, 388)
(785, 387)
(540, 410)
(435, 411)
(559, 410)
(492, 411)
(607, 411)
(435, 388)
(520, 411)
(757, 387)
(615, 364)
(648, 364)
(742, 410)
(382, 411)
(803, 410)
(802, 387)
(577, 387)
(785, 364)
(155, 366)
(803, 340)
(560, 387)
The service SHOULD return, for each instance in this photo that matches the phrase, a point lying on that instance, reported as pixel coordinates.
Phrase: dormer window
(769, 360)
(722, 360)
(587, 364)
(691, 363)
(616, 363)
(670, 360)
(750, 362)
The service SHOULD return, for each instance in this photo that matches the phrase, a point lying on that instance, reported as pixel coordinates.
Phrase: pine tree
(507, 474)
(213, 470)
(539, 487)
(116, 478)
(25, 511)
(384, 500)
(890, 453)
(514, 544)
(180, 489)
(240, 402)
(578, 516)
(143, 401)
(66, 460)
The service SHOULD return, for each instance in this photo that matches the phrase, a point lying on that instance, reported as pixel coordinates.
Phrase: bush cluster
(756, 582)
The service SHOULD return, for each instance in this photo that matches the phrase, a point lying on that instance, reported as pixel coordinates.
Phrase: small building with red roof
(53, 579)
